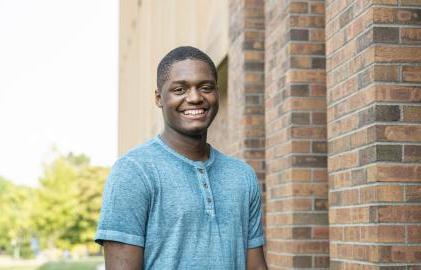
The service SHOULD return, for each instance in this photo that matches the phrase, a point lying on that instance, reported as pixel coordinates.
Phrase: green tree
(90, 183)
(68, 201)
(15, 219)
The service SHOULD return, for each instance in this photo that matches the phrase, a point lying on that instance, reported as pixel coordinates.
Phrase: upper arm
(119, 256)
(256, 259)
(255, 230)
(125, 207)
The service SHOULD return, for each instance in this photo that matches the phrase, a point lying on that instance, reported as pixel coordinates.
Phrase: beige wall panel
(154, 27)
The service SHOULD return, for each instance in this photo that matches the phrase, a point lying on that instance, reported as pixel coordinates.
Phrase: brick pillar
(246, 110)
(374, 131)
(295, 97)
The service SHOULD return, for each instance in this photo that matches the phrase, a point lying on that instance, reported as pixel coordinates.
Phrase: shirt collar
(196, 163)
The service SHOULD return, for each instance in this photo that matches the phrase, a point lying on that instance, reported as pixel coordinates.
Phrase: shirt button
(205, 185)
(209, 200)
(201, 170)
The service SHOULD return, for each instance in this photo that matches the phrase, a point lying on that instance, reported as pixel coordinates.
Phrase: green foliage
(15, 220)
(62, 212)
(69, 200)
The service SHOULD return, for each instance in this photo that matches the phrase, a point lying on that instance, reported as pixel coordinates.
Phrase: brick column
(246, 110)
(296, 179)
(374, 132)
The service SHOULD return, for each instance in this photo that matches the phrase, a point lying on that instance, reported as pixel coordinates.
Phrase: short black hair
(180, 54)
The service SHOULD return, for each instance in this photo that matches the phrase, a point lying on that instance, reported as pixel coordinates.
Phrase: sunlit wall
(148, 30)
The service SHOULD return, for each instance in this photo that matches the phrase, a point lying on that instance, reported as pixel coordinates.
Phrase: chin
(194, 131)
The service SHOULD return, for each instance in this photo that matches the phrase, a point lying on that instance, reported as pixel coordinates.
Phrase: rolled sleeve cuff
(105, 235)
(256, 242)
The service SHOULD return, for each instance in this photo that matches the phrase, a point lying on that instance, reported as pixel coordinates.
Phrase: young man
(176, 202)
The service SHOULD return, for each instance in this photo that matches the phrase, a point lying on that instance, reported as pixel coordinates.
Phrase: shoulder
(136, 165)
(141, 156)
(143, 153)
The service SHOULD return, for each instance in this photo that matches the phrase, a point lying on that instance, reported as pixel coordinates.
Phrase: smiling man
(175, 202)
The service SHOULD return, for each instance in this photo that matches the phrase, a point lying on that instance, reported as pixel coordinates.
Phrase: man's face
(189, 98)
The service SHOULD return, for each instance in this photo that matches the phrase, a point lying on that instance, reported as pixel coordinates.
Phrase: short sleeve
(255, 230)
(125, 205)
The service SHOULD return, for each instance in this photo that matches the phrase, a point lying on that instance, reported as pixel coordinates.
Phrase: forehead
(190, 70)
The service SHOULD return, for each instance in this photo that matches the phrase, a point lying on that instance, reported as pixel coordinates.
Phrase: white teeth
(194, 112)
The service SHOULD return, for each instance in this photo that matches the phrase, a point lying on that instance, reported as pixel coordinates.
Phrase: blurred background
(321, 98)
(58, 115)
(76, 92)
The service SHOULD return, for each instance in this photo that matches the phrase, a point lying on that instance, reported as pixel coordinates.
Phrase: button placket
(206, 191)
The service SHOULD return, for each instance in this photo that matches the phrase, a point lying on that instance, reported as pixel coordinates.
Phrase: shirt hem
(256, 242)
(106, 235)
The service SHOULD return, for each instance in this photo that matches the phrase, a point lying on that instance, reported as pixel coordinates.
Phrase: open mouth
(195, 113)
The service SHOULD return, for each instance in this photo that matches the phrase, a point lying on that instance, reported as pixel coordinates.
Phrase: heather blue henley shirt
(186, 214)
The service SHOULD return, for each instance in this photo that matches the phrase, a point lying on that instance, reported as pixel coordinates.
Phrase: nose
(194, 96)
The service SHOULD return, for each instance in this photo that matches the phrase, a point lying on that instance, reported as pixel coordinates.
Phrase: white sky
(58, 83)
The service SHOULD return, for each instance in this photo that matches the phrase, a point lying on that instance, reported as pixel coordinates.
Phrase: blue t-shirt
(186, 214)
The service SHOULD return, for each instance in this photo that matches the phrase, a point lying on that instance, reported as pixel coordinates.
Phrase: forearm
(119, 256)
(256, 259)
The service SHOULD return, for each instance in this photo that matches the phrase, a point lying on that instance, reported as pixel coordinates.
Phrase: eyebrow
(186, 82)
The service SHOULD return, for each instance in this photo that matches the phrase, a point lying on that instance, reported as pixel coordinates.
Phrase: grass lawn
(89, 264)
(18, 268)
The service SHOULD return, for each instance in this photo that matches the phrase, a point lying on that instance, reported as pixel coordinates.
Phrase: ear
(158, 98)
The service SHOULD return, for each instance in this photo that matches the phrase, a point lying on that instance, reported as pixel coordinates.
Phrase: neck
(192, 147)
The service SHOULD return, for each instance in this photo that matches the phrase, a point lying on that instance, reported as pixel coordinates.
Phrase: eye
(179, 90)
(207, 88)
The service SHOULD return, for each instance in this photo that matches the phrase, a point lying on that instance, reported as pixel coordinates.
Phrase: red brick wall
(217, 133)
(295, 102)
(246, 83)
(373, 68)
(359, 63)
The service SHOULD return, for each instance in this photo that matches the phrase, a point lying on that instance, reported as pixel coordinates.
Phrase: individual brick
(410, 35)
(300, 118)
(317, 8)
(414, 233)
(364, 41)
(413, 193)
(375, 113)
(299, 90)
(387, 113)
(388, 54)
(386, 73)
(383, 233)
(382, 193)
(321, 262)
(394, 173)
(302, 261)
(346, 17)
(319, 147)
(299, 34)
(410, 3)
(396, 16)
(393, 133)
(386, 34)
(298, 7)
(412, 113)
(318, 63)
(306, 21)
(411, 74)
(303, 62)
(412, 153)
(398, 213)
